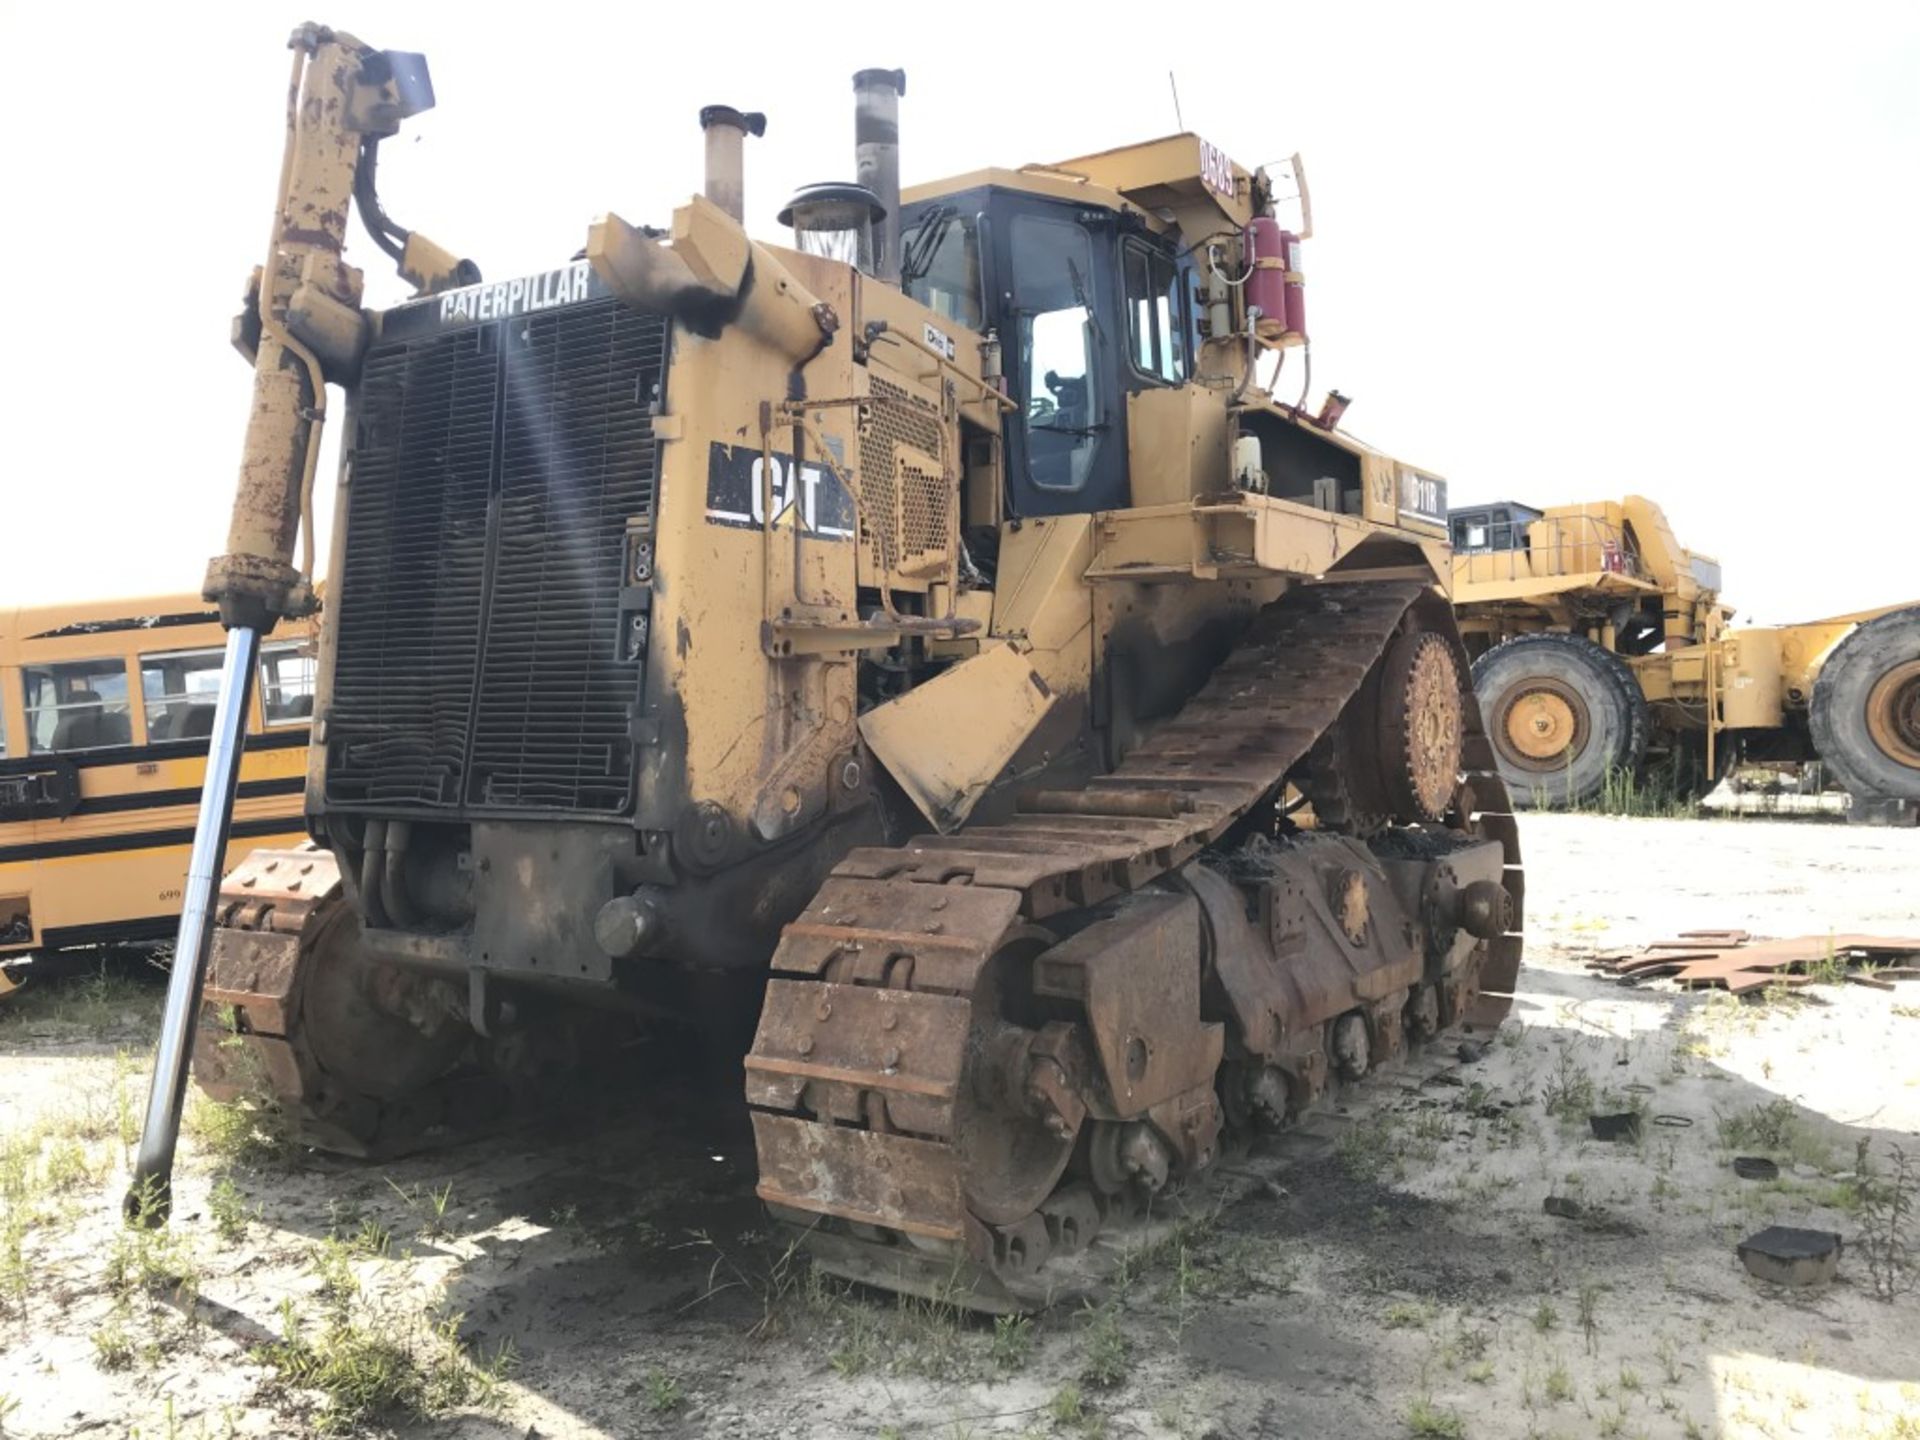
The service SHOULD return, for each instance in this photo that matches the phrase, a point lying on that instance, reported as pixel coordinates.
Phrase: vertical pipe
(876, 158)
(150, 1196)
(726, 131)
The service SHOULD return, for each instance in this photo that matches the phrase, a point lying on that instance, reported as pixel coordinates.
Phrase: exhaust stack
(727, 130)
(876, 158)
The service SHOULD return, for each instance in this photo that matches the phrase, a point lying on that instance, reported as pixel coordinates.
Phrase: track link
(866, 1075)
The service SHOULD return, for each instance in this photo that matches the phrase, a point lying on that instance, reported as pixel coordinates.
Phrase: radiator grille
(478, 660)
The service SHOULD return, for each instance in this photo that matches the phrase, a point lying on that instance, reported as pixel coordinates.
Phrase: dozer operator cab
(1091, 306)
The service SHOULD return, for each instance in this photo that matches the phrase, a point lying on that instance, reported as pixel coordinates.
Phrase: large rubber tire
(1589, 718)
(1866, 708)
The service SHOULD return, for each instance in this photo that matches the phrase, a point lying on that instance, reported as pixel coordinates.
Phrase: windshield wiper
(924, 243)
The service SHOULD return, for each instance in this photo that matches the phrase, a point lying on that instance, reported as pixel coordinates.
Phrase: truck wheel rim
(1542, 725)
(1893, 714)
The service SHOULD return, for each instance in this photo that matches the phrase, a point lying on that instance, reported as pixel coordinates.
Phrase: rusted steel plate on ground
(1728, 957)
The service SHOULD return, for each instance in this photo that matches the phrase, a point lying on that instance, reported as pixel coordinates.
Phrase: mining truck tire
(1563, 714)
(1866, 708)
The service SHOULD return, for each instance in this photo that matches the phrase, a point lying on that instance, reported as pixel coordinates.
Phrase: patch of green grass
(1370, 1147)
(1669, 1356)
(1767, 1126)
(228, 1209)
(250, 1133)
(1589, 1314)
(663, 1395)
(382, 1364)
(1480, 1372)
(146, 1260)
(1658, 792)
(66, 1166)
(431, 1207)
(332, 1264)
(1559, 1386)
(113, 1347)
(371, 1239)
(856, 1344)
(1106, 1347)
(1067, 1406)
(929, 1337)
(1406, 1315)
(1012, 1341)
(1431, 1422)
(1545, 1317)
(1829, 969)
(85, 1007)
(1569, 1091)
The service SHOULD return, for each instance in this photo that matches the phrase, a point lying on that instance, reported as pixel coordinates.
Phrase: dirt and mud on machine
(1599, 640)
(932, 637)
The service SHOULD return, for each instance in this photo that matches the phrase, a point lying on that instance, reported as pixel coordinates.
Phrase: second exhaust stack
(876, 158)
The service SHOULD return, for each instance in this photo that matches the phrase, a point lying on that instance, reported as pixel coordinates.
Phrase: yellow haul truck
(1596, 635)
(105, 709)
(927, 636)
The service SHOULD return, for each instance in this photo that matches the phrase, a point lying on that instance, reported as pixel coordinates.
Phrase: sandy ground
(1386, 1271)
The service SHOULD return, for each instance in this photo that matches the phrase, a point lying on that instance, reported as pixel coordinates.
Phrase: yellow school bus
(105, 710)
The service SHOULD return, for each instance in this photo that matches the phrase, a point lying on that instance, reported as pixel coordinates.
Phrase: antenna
(1174, 86)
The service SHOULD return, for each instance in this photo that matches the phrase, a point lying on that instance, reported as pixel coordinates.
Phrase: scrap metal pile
(1736, 962)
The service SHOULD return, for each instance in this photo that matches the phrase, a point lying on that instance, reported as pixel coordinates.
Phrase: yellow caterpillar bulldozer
(1598, 638)
(930, 636)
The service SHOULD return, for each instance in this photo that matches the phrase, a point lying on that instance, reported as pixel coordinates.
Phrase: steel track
(859, 1071)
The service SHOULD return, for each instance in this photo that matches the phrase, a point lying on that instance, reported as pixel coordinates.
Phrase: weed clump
(382, 1364)
(1431, 1422)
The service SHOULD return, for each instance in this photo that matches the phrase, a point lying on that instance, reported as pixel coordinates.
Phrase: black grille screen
(478, 660)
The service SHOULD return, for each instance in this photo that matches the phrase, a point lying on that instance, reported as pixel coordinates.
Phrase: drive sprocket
(1422, 724)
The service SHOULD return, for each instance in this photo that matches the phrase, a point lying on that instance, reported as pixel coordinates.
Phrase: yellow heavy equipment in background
(1596, 637)
(929, 637)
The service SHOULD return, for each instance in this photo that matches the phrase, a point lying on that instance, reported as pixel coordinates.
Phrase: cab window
(1057, 345)
(181, 690)
(80, 705)
(940, 266)
(286, 684)
(1156, 313)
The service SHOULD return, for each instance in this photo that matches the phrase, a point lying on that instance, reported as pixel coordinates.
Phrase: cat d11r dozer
(1598, 638)
(931, 636)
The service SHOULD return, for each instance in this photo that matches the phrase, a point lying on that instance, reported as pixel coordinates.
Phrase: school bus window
(286, 685)
(81, 705)
(180, 689)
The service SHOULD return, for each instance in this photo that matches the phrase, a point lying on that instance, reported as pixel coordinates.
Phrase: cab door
(1059, 319)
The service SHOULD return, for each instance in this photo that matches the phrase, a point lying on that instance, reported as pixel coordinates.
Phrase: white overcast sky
(1561, 251)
